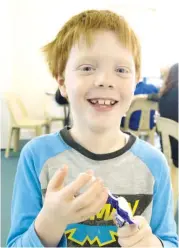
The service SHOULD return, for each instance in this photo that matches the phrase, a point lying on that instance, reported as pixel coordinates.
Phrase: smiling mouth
(102, 102)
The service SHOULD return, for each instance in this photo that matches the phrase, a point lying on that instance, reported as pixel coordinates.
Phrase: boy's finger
(89, 195)
(127, 230)
(74, 187)
(93, 208)
(57, 180)
(134, 239)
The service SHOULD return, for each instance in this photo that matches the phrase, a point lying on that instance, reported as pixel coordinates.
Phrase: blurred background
(26, 25)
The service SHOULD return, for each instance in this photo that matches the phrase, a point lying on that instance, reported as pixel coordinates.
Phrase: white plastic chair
(145, 106)
(166, 128)
(20, 120)
(53, 111)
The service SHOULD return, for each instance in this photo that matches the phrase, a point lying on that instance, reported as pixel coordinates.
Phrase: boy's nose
(104, 80)
(104, 83)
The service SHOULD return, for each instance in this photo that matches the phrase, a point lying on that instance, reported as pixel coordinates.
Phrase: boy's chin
(101, 127)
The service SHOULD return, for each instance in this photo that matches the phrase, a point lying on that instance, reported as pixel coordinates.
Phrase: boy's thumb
(56, 182)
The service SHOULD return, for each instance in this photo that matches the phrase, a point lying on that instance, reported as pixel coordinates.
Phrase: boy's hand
(62, 206)
(132, 236)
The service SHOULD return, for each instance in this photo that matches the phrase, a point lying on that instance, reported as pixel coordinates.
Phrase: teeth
(101, 102)
(107, 102)
(112, 102)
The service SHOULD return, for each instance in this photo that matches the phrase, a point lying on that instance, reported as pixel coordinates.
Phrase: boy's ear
(61, 83)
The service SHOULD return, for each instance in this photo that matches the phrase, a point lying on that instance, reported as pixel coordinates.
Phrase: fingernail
(64, 167)
(90, 172)
(100, 181)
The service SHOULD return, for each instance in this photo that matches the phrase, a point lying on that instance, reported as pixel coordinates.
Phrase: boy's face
(99, 81)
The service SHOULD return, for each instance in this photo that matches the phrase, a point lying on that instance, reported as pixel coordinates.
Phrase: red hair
(86, 23)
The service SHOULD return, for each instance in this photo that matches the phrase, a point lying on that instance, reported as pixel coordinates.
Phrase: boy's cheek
(126, 102)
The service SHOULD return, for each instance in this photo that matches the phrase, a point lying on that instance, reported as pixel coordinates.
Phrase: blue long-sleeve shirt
(138, 172)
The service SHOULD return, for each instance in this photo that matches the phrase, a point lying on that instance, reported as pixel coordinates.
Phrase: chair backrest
(145, 106)
(167, 128)
(16, 107)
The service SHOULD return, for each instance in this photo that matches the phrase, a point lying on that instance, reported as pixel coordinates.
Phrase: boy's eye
(86, 68)
(124, 70)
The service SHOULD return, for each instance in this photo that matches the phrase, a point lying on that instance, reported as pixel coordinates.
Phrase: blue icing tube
(123, 212)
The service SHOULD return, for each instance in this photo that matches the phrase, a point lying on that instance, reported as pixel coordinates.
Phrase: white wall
(32, 23)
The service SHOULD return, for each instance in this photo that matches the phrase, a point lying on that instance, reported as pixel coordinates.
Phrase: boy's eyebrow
(95, 58)
(83, 58)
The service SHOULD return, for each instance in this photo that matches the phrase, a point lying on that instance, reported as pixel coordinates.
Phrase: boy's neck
(99, 142)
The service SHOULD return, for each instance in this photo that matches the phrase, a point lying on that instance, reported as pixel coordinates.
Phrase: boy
(96, 61)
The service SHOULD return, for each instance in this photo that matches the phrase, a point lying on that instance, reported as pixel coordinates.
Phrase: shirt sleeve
(162, 222)
(26, 204)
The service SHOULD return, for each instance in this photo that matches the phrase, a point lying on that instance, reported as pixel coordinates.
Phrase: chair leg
(47, 128)
(152, 137)
(9, 142)
(38, 131)
(16, 139)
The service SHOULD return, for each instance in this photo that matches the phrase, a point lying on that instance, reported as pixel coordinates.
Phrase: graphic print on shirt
(99, 230)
